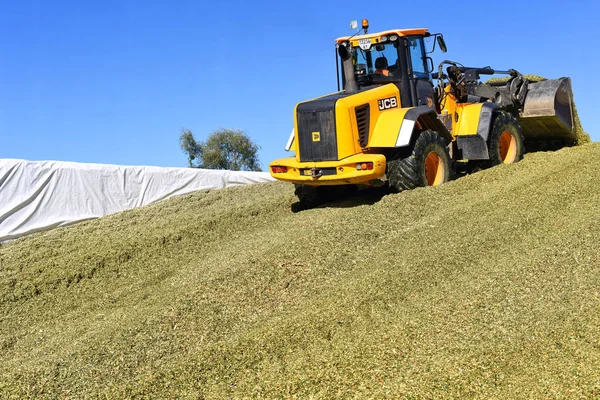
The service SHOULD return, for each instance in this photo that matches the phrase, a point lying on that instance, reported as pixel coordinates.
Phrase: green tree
(228, 149)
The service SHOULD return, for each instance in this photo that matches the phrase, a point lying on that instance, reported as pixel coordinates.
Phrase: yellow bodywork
(383, 132)
(464, 116)
(346, 172)
(386, 129)
(468, 119)
(380, 135)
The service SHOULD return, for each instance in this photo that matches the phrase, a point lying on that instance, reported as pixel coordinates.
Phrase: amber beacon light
(365, 24)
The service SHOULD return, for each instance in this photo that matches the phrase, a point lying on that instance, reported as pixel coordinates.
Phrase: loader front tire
(313, 196)
(505, 142)
(428, 164)
(308, 196)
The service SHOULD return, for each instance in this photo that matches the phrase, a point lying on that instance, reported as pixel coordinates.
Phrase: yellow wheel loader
(388, 124)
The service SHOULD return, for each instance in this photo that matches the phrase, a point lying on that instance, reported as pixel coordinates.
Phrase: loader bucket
(548, 110)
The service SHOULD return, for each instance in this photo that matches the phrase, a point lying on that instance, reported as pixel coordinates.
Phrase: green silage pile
(581, 137)
(484, 287)
(531, 78)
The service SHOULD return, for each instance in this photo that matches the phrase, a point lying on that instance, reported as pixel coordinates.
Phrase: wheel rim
(435, 170)
(508, 147)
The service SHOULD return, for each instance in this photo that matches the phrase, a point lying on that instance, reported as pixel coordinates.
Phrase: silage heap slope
(487, 286)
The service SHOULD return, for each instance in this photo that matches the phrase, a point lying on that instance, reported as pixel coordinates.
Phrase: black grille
(362, 122)
(316, 135)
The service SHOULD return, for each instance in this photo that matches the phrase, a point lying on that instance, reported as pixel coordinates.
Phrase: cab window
(415, 46)
(381, 56)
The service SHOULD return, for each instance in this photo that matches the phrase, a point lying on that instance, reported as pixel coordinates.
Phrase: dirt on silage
(484, 287)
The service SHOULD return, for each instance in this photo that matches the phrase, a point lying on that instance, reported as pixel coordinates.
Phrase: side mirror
(430, 66)
(442, 43)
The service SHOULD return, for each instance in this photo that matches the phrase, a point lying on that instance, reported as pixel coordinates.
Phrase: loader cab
(397, 57)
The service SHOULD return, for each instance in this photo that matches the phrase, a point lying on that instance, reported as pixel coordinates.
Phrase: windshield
(373, 64)
(379, 59)
(377, 63)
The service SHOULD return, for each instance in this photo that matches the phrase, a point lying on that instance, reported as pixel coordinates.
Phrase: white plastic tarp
(41, 195)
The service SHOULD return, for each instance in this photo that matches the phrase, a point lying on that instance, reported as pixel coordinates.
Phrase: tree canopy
(229, 149)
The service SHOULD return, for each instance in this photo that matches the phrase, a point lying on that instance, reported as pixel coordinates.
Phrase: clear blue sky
(115, 81)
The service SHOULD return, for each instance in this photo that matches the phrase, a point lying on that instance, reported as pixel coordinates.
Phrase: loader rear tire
(505, 142)
(428, 165)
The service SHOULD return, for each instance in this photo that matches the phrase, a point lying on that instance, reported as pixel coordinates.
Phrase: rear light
(279, 170)
(364, 166)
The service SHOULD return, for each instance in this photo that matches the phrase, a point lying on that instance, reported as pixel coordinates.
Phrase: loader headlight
(384, 39)
(393, 38)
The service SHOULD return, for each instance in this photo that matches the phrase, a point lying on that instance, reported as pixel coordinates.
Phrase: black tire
(312, 196)
(505, 142)
(308, 196)
(412, 172)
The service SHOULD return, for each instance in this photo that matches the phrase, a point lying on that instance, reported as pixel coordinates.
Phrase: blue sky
(115, 81)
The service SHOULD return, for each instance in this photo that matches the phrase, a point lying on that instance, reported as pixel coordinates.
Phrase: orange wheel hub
(435, 170)
(508, 148)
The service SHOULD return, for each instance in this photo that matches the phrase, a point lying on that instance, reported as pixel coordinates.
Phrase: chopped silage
(530, 77)
(581, 137)
(485, 287)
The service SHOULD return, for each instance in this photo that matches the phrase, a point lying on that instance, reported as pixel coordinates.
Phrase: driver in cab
(381, 66)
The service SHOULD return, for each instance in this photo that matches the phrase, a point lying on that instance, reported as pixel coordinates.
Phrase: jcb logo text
(384, 104)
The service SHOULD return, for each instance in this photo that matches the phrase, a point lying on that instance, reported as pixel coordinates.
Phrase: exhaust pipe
(350, 85)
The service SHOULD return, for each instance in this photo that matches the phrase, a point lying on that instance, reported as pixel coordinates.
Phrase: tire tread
(407, 173)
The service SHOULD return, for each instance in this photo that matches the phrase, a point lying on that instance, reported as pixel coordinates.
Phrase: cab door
(421, 77)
